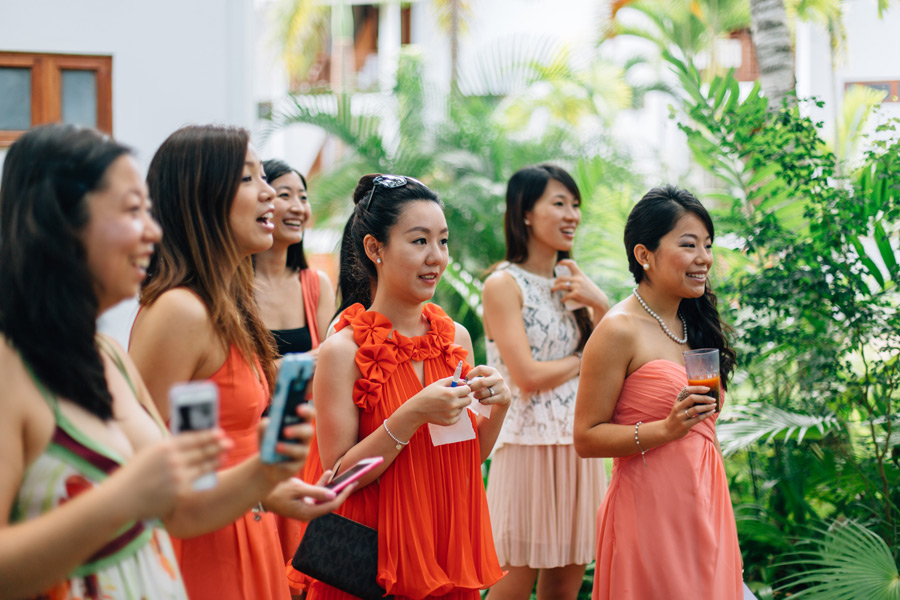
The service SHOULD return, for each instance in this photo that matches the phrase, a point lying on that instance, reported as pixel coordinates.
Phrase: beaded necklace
(662, 323)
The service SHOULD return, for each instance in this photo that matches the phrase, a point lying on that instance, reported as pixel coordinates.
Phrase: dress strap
(113, 354)
(309, 284)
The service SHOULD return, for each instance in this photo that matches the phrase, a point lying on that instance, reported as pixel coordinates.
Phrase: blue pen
(456, 375)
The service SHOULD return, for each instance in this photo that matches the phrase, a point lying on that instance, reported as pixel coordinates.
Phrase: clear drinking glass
(702, 368)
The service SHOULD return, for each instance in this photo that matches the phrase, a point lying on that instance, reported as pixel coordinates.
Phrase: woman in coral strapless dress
(666, 527)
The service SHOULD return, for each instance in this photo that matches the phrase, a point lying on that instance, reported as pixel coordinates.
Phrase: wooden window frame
(892, 84)
(46, 86)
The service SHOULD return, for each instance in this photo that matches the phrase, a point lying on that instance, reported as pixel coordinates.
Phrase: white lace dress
(542, 497)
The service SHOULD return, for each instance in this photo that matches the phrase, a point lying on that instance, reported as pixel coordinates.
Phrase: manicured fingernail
(330, 495)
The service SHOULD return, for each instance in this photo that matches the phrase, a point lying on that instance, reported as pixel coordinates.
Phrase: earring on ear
(527, 223)
(378, 260)
(646, 266)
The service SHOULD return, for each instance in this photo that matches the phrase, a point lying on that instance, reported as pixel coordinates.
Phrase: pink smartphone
(352, 474)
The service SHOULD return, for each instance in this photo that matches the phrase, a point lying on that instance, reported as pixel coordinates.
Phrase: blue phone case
(290, 391)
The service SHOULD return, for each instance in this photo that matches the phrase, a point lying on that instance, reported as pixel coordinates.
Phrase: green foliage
(847, 562)
(467, 154)
(814, 308)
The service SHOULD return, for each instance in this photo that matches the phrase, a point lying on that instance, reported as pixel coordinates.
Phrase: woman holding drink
(666, 527)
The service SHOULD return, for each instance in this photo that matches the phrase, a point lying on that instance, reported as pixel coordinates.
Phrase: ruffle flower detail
(378, 355)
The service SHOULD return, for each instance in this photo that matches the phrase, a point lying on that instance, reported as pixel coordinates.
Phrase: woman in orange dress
(386, 375)
(666, 526)
(296, 303)
(199, 321)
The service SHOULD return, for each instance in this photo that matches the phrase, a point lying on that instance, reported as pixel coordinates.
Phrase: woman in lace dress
(543, 498)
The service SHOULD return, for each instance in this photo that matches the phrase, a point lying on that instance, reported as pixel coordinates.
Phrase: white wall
(175, 62)
(869, 55)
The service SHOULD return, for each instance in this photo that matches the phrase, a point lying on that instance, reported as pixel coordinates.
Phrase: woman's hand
(579, 288)
(161, 474)
(488, 386)
(296, 499)
(439, 403)
(296, 450)
(690, 408)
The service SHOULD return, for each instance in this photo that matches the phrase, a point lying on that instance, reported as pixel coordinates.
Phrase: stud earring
(646, 266)
(378, 260)
(527, 223)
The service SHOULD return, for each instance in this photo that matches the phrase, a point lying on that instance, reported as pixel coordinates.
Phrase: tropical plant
(467, 155)
(815, 310)
(691, 29)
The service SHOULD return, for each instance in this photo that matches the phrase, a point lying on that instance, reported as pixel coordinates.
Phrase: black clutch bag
(341, 553)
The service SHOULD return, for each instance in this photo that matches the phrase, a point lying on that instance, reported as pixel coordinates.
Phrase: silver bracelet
(400, 444)
(637, 440)
(258, 511)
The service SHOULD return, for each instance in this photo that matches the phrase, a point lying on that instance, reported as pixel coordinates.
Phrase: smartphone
(352, 474)
(290, 392)
(194, 406)
(564, 271)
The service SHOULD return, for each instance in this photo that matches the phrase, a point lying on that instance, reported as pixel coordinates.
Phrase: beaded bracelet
(637, 440)
(399, 445)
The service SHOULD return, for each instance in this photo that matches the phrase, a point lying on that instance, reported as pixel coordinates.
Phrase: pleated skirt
(543, 502)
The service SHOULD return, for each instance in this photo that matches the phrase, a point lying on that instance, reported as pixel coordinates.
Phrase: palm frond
(847, 562)
(358, 126)
(749, 424)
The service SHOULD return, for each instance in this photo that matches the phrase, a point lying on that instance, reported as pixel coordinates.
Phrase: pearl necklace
(662, 323)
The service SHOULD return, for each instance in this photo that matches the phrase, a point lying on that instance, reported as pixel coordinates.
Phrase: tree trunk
(774, 53)
(454, 43)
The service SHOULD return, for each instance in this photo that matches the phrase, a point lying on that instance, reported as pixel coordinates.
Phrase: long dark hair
(654, 216)
(48, 306)
(357, 272)
(525, 188)
(274, 168)
(193, 180)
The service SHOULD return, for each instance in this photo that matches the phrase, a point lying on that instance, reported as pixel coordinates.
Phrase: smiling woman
(295, 302)
(88, 471)
(199, 321)
(666, 528)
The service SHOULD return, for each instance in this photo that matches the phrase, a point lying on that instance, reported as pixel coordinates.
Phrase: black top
(292, 340)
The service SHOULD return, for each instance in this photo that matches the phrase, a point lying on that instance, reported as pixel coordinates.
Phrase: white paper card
(460, 431)
(480, 409)
(748, 595)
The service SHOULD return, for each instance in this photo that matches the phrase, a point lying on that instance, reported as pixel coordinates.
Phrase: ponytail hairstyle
(654, 216)
(49, 305)
(274, 168)
(525, 188)
(373, 217)
(193, 180)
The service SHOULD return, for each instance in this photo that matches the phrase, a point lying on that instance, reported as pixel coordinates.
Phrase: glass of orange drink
(702, 367)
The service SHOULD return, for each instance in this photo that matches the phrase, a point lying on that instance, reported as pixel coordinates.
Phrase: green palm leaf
(748, 424)
(849, 562)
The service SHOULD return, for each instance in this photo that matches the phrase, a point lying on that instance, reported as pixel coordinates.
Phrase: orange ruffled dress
(429, 506)
(243, 560)
(666, 530)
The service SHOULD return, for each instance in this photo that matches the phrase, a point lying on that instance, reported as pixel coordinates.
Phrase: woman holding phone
(666, 527)
(199, 321)
(386, 379)
(89, 475)
(296, 303)
(543, 523)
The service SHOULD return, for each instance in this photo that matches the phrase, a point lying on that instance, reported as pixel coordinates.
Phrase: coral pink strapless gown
(666, 530)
